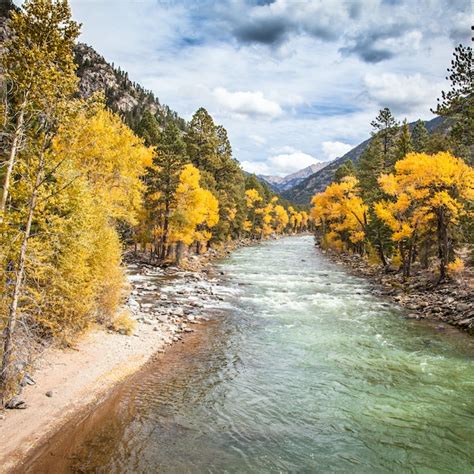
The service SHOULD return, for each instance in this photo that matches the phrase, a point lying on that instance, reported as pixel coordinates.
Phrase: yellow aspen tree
(49, 57)
(37, 60)
(341, 214)
(281, 219)
(432, 189)
(110, 156)
(292, 218)
(405, 222)
(251, 224)
(267, 219)
(298, 219)
(304, 220)
(195, 206)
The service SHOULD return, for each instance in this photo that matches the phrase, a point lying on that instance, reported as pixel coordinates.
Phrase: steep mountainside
(279, 183)
(317, 182)
(123, 96)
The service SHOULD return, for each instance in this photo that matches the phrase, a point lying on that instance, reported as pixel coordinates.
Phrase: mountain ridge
(283, 183)
(123, 96)
(302, 192)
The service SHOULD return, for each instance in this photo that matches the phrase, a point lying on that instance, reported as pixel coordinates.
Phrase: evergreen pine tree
(420, 137)
(458, 103)
(346, 169)
(403, 142)
(163, 179)
(386, 128)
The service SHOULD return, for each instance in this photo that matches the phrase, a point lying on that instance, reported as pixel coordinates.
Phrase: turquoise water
(302, 370)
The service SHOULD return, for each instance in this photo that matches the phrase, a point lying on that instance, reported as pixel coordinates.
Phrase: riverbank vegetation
(79, 186)
(409, 198)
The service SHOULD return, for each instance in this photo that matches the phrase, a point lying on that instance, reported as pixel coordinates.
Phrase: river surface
(300, 370)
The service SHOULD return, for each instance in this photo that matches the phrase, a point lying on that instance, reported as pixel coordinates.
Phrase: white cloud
(333, 150)
(402, 93)
(286, 149)
(248, 104)
(256, 167)
(409, 41)
(258, 139)
(280, 165)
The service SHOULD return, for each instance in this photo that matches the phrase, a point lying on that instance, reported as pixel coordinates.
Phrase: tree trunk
(11, 162)
(166, 223)
(409, 259)
(380, 250)
(406, 255)
(443, 245)
(425, 250)
(179, 252)
(7, 373)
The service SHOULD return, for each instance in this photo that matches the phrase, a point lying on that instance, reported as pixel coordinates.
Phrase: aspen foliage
(341, 214)
(112, 159)
(196, 210)
(74, 275)
(425, 195)
(298, 220)
(281, 218)
(430, 192)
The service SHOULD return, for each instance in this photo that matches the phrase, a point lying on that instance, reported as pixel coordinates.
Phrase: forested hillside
(302, 192)
(123, 96)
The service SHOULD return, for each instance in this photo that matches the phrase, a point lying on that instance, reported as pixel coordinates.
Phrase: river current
(301, 369)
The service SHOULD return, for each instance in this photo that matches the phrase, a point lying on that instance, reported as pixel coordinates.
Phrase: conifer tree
(163, 179)
(346, 169)
(458, 103)
(420, 137)
(209, 149)
(370, 166)
(229, 189)
(148, 128)
(202, 146)
(386, 128)
(403, 143)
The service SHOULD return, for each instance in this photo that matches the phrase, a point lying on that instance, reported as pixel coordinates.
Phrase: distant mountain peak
(284, 183)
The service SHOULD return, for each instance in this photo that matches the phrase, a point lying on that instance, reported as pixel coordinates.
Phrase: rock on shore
(451, 303)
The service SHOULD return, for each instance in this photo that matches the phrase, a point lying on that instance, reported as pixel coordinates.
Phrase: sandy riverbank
(164, 303)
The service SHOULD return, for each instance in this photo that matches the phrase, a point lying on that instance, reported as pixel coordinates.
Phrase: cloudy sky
(293, 81)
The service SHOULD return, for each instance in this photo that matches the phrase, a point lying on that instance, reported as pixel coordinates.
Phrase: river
(301, 369)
